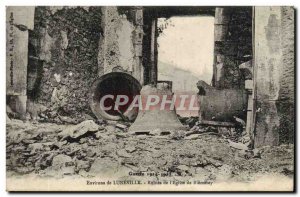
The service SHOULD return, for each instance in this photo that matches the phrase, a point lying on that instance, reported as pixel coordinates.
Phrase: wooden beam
(216, 123)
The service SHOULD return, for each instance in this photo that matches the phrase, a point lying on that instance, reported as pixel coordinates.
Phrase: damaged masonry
(86, 98)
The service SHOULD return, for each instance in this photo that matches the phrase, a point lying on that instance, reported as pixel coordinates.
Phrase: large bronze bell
(155, 119)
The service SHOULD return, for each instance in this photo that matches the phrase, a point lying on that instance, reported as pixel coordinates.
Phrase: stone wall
(286, 100)
(273, 65)
(70, 47)
(274, 75)
(120, 48)
(233, 45)
(287, 90)
(63, 57)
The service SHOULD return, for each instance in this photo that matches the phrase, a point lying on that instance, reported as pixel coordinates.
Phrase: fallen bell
(221, 105)
(161, 121)
(113, 84)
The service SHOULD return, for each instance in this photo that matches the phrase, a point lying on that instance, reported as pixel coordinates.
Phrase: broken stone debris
(78, 131)
(121, 126)
(115, 152)
(63, 164)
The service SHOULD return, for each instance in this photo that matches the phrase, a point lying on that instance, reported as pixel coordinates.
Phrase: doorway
(185, 46)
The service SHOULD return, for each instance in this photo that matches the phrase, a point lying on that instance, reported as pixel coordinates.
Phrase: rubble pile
(89, 149)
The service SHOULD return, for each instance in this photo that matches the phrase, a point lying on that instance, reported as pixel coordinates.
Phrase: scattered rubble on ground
(88, 149)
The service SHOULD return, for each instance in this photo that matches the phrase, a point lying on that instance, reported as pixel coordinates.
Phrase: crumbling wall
(288, 39)
(121, 46)
(286, 101)
(64, 43)
(233, 45)
(274, 75)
